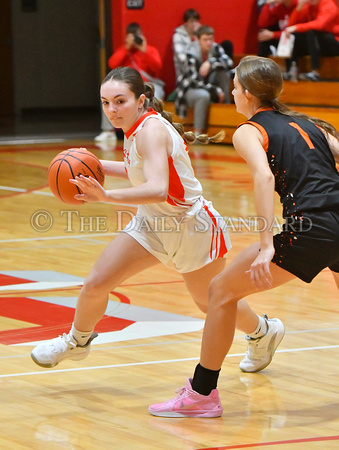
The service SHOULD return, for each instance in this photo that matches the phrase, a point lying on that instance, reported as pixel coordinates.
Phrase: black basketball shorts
(308, 244)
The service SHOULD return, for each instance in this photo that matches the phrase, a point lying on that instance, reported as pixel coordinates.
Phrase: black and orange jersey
(301, 160)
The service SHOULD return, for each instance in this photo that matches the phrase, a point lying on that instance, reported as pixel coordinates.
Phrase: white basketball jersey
(184, 188)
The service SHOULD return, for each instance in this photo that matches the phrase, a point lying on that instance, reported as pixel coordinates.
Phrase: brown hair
(137, 85)
(191, 14)
(204, 29)
(133, 28)
(262, 77)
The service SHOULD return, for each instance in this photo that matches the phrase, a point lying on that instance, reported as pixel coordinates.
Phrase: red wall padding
(231, 19)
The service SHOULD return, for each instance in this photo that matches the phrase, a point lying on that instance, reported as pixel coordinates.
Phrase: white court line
(116, 347)
(49, 194)
(145, 363)
(14, 189)
(41, 286)
(51, 238)
(31, 141)
(7, 188)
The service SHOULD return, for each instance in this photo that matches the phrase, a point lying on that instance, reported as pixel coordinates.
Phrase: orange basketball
(68, 164)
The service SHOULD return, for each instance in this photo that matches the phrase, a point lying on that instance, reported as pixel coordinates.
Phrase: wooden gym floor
(150, 337)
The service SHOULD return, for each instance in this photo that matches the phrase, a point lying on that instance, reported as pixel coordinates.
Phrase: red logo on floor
(48, 320)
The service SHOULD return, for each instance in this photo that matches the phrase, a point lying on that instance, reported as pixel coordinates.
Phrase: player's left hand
(260, 269)
(91, 188)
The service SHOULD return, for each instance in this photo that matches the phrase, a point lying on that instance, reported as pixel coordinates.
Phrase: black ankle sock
(204, 380)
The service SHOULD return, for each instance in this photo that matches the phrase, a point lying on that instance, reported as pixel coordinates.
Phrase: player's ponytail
(188, 136)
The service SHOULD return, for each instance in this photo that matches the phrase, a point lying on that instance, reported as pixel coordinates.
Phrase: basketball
(69, 164)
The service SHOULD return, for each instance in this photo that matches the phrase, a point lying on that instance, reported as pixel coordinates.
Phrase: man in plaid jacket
(205, 77)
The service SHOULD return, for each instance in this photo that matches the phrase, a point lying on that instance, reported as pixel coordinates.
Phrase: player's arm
(333, 142)
(151, 144)
(151, 141)
(248, 142)
(114, 169)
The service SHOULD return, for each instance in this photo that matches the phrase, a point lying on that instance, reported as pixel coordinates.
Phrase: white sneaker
(48, 354)
(260, 351)
(107, 136)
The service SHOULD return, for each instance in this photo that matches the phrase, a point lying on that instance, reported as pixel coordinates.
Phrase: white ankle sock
(80, 336)
(261, 329)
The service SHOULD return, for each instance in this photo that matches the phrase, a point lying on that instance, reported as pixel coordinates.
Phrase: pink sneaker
(189, 403)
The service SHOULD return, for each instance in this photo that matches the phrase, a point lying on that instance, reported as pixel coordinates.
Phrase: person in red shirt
(139, 55)
(136, 53)
(315, 24)
(272, 20)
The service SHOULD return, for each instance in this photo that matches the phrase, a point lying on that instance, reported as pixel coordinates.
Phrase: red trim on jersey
(263, 133)
(218, 234)
(176, 191)
(259, 127)
(303, 134)
(150, 112)
(264, 108)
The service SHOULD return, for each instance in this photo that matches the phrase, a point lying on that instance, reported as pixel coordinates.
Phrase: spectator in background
(260, 4)
(315, 25)
(205, 77)
(137, 53)
(182, 38)
(273, 18)
(184, 35)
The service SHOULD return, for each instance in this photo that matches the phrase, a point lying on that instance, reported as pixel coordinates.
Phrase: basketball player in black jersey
(294, 155)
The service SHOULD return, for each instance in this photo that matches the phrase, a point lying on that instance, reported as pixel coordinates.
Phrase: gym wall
(234, 20)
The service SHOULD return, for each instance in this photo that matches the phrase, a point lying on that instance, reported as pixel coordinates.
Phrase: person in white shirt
(183, 36)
